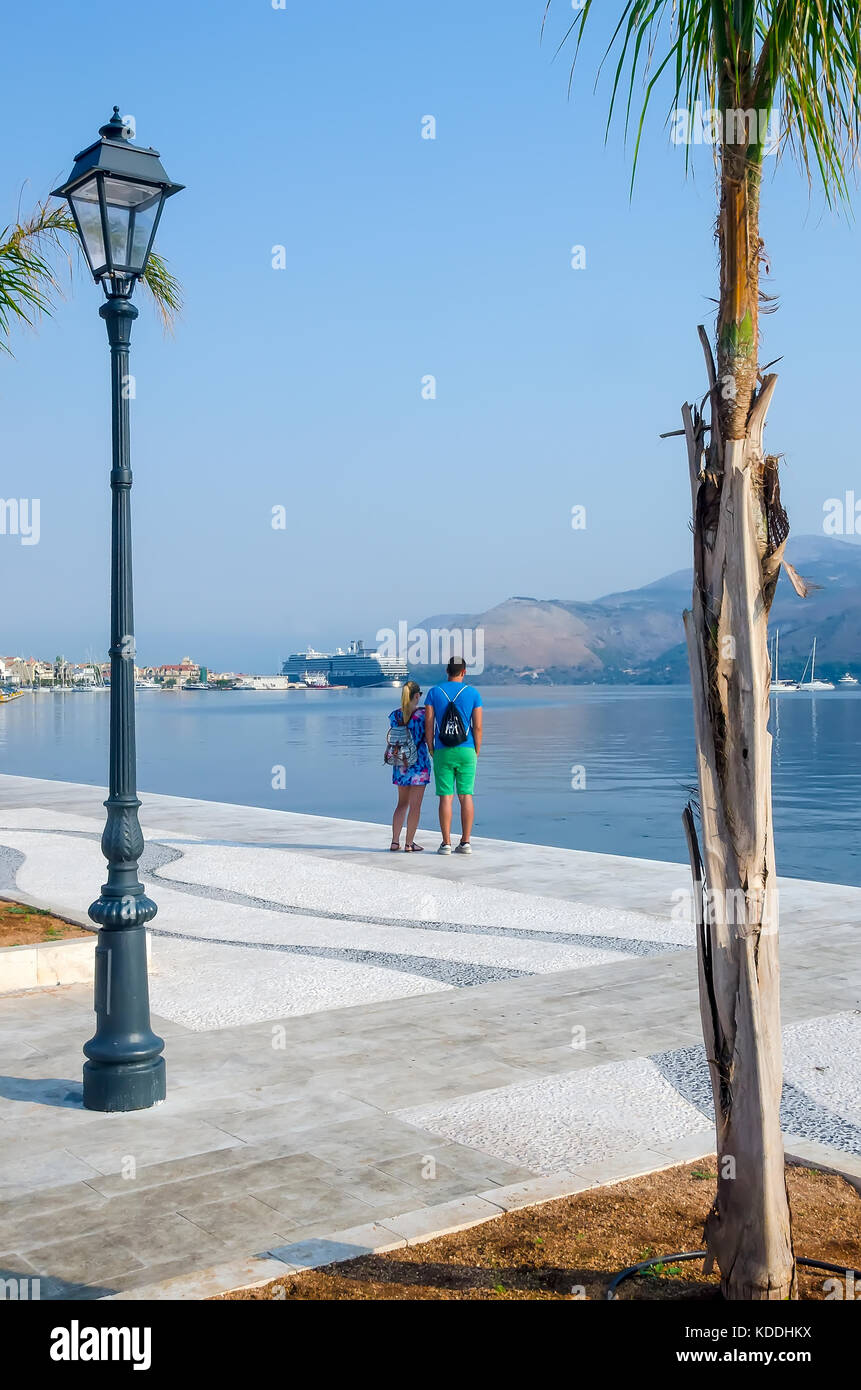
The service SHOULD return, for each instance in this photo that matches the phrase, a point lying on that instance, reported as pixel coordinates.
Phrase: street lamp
(116, 192)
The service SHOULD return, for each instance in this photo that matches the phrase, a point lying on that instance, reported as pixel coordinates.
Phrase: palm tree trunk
(738, 316)
(740, 531)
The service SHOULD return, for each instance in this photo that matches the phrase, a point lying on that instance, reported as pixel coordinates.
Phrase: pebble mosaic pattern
(246, 933)
(582, 1117)
(564, 1122)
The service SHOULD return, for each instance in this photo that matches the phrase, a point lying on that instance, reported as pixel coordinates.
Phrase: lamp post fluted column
(124, 1068)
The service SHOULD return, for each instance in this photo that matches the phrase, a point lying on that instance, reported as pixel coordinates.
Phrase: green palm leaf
(801, 56)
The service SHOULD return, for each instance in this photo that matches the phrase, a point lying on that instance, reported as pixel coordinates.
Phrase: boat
(7, 695)
(847, 679)
(87, 677)
(779, 687)
(198, 685)
(351, 669)
(813, 684)
(147, 685)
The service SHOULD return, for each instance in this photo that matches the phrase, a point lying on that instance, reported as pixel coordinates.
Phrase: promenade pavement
(351, 1033)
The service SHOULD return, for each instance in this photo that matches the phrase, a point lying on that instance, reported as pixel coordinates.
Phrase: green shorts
(454, 770)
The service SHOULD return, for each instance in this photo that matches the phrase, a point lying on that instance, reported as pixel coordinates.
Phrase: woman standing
(409, 774)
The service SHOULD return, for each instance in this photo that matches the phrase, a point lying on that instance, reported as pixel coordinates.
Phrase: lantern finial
(115, 128)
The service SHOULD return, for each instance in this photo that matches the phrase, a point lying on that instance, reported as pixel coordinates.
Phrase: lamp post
(116, 192)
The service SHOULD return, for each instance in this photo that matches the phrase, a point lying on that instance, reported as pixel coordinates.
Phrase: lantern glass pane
(85, 205)
(131, 212)
(142, 230)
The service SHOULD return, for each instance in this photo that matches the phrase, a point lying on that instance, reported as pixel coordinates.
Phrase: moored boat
(778, 686)
(813, 684)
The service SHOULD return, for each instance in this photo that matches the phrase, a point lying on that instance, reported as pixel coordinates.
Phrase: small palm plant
(29, 280)
(743, 61)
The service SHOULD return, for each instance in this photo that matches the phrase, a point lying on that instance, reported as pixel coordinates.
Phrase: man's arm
(429, 727)
(477, 725)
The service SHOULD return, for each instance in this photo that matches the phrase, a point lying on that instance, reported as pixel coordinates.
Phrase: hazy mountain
(638, 634)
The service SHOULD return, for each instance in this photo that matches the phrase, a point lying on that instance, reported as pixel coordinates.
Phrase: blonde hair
(410, 689)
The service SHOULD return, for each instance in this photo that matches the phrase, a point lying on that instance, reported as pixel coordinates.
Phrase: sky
(404, 258)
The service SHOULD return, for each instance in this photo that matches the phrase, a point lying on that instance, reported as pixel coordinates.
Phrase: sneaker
(464, 847)
(444, 849)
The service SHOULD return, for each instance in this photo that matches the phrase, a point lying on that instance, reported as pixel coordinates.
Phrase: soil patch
(23, 926)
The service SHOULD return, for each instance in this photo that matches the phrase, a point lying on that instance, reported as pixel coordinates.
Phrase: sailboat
(813, 683)
(62, 688)
(778, 686)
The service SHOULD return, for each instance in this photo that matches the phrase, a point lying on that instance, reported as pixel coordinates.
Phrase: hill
(638, 634)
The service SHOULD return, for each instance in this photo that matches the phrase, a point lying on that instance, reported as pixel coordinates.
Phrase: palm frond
(809, 64)
(801, 56)
(28, 279)
(165, 290)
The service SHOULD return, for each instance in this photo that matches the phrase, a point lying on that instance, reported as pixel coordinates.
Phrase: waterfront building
(178, 673)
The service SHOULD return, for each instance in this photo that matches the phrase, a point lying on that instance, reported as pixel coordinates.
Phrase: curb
(822, 1156)
(427, 1223)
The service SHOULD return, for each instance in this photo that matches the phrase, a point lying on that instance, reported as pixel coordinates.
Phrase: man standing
(453, 728)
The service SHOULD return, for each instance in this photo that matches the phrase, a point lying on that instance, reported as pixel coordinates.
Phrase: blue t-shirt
(467, 700)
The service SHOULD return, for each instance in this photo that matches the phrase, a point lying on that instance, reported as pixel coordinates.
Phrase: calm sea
(634, 746)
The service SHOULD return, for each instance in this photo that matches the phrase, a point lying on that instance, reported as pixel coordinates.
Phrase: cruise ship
(353, 667)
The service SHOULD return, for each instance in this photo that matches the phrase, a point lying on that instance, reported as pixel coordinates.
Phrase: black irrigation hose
(701, 1255)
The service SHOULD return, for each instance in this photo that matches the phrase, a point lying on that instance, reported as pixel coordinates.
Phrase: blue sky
(405, 257)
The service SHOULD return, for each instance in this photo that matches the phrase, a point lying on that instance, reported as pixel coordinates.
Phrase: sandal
(416, 849)
(395, 845)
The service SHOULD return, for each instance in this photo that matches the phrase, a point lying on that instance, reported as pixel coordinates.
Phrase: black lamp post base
(120, 1086)
(124, 1069)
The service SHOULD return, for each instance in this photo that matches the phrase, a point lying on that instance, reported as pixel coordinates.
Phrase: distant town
(18, 673)
(310, 669)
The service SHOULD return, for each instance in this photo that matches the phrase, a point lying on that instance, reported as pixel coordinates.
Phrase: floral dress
(419, 774)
